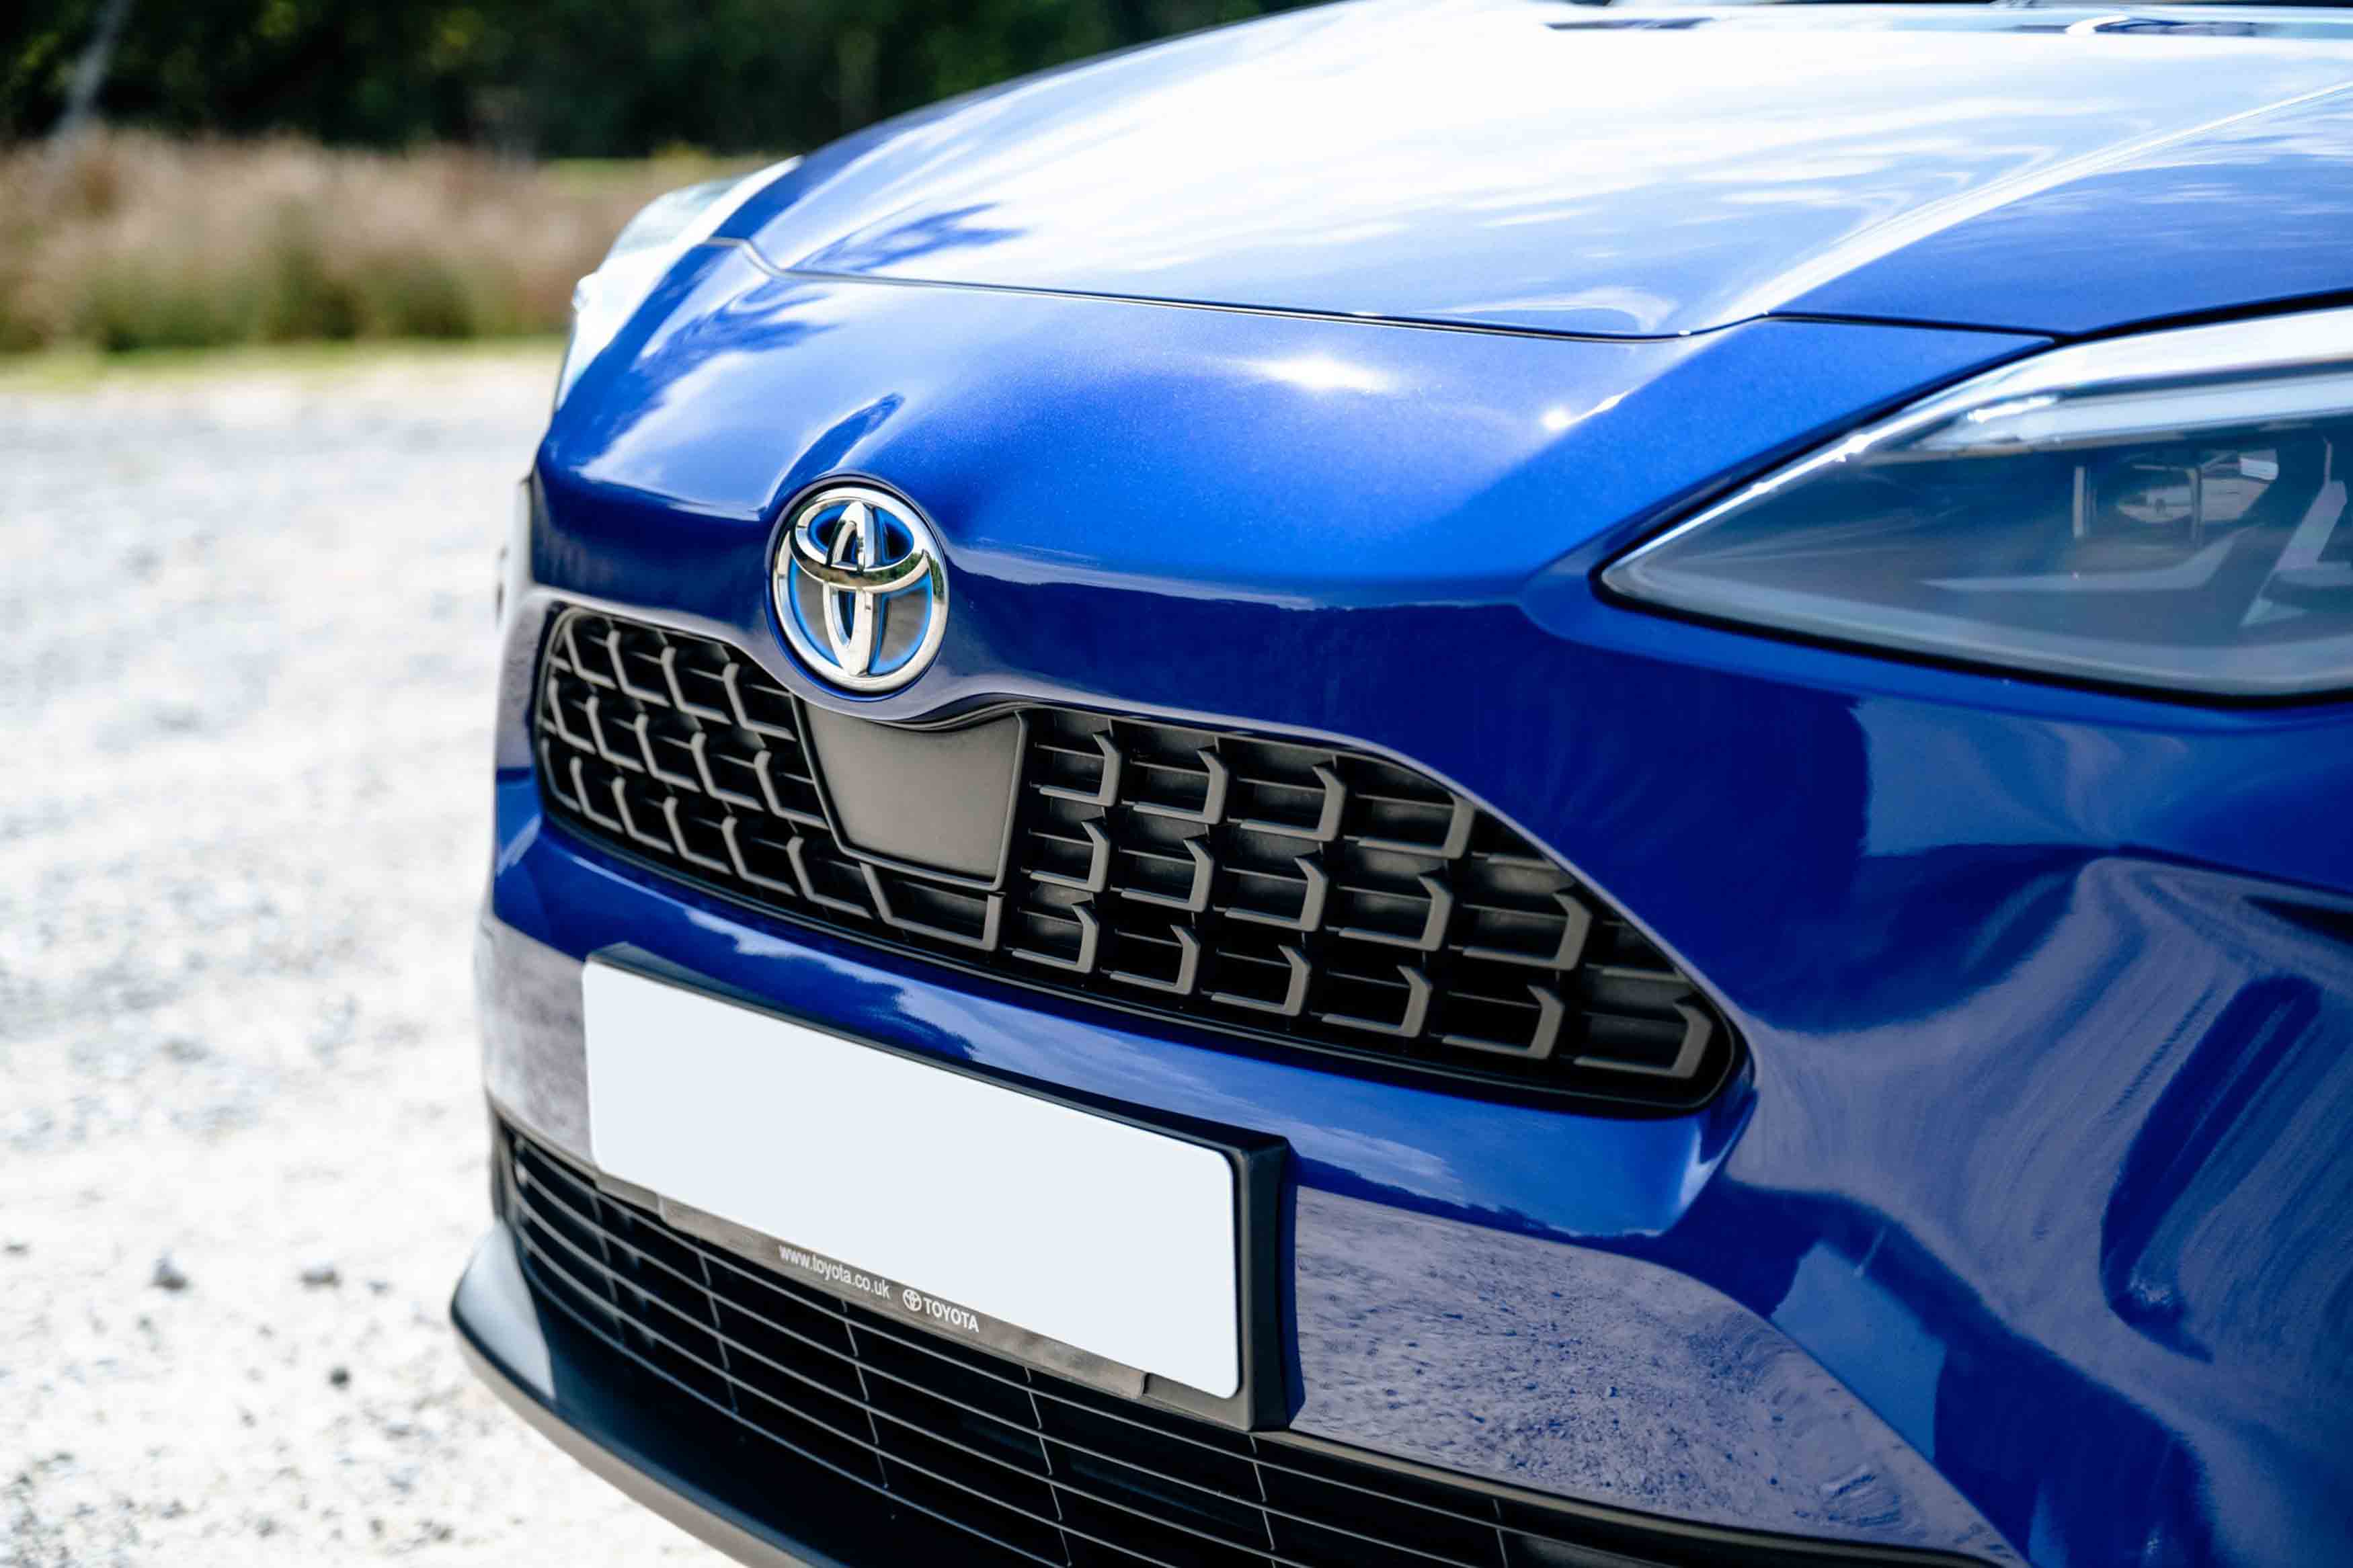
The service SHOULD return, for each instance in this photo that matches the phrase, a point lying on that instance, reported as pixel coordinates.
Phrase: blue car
(1494, 785)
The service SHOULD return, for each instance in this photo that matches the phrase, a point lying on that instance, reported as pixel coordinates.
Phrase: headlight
(663, 229)
(2162, 510)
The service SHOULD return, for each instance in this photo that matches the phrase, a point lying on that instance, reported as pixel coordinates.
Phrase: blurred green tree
(556, 78)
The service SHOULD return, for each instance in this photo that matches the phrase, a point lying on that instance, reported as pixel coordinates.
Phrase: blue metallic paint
(1537, 169)
(2250, 213)
(2049, 991)
(1370, 465)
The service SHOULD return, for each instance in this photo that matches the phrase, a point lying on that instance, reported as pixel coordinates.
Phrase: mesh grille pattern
(1025, 1467)
(1320, 897)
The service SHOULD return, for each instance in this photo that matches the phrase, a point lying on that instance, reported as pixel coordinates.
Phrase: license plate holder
(1130, 1250)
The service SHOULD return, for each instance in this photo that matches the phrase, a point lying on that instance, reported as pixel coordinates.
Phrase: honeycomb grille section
(1298, 894)
(981, 1461)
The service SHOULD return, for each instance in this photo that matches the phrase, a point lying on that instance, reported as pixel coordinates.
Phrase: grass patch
(136, 242)
(666, 170)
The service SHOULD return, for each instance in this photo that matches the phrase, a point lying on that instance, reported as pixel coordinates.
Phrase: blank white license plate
(1115, 1240)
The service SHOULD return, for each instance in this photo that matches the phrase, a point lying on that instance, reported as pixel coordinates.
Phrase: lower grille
(1302, 894)
(1014, 1466)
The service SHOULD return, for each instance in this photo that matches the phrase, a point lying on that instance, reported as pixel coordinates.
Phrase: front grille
(804, 1394)
(1286, 891)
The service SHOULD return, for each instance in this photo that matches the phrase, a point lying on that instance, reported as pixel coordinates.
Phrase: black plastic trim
(828, 775)
(1454, 1078)
(1464, 1074)
(689, 1468)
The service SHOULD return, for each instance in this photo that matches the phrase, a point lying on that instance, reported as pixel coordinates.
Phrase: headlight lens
(2167, 511)
(603, 302)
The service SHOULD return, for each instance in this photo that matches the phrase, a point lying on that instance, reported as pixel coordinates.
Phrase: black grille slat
(1273, 889)
(1028, 1467)
(676, 1345)
(1076, 1416)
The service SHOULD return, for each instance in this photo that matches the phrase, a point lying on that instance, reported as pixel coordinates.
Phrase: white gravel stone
(245, 684)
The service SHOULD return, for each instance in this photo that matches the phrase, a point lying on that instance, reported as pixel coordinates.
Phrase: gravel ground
(245, 684)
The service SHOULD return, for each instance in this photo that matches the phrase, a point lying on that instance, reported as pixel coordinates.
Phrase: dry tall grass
(136, 241)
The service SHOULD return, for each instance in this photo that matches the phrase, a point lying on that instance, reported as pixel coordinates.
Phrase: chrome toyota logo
(860, 588)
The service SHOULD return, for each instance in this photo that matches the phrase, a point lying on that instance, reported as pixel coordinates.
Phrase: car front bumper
(679, 1368)
(1419, 1336)
(504, 1344)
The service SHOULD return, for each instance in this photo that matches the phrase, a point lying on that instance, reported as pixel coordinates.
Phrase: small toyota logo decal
(860, 588)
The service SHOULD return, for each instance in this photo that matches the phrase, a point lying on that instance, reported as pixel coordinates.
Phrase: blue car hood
(1629, 173)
